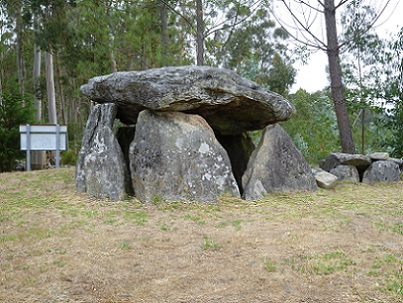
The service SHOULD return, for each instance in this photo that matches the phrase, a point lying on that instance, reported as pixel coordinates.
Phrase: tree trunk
(113, 62)
(20, 67)
(62, 104)
(50, 86)
(336, 83)
(164, 31)
(37, 73)
(199, 33)
(38, 157)
(1, 76)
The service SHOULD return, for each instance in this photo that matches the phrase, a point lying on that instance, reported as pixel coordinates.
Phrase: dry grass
(342, 245)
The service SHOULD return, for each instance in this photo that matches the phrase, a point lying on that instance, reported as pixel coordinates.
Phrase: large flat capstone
(230, 104)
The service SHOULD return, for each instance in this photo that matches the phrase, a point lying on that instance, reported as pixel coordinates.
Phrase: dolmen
(184, 136)
(372, 168)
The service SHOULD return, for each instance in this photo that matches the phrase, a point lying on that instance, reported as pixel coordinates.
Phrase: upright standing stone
(276, 165)
(101, 170)
(175, 156)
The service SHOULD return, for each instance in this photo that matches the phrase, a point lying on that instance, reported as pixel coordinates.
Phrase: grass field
(340, 245)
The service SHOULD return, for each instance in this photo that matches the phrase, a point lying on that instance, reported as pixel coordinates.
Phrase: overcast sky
(313, 77)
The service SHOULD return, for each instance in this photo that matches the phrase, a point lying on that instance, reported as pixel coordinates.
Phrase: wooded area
(48, 49)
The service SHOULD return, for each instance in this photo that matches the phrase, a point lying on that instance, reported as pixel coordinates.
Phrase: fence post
(58, 146)
(28, 164)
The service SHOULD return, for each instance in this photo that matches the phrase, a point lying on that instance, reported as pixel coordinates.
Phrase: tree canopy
(96, 37)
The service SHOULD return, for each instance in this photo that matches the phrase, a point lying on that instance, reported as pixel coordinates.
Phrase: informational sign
(43, 137)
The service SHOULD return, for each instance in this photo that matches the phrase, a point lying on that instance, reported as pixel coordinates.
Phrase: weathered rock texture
(346, 172)
(176, 156)
(101, 169)
(376, 167)
(276, 166)
(229, 103)
(361, 162)
(186, 137)
(382, 171)
(324, 179)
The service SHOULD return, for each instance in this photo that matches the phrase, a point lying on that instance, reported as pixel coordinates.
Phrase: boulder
(324, 179)
(382, 171)
(101, 169)
(346, 172)
(175, 156)
(379, 156)
(334, 159)
(398, 162)
(229, 103)
(276, 165)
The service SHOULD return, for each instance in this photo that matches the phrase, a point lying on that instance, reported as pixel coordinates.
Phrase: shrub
(15, 109)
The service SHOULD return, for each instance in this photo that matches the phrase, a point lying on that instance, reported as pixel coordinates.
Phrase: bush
(314, 127)
(69, 157)
(15, 109)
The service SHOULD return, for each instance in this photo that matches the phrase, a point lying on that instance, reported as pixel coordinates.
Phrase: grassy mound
(341, 245)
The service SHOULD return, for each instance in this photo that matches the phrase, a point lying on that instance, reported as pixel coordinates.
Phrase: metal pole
(57, 146)
(28, 164)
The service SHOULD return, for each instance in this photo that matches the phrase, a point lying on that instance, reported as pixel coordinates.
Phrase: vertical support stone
(276, 166)
(101, 169)
(176, 156)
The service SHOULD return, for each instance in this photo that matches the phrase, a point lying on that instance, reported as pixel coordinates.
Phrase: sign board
(43, 137)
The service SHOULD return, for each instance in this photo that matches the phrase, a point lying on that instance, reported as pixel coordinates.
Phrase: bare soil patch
(341, 245)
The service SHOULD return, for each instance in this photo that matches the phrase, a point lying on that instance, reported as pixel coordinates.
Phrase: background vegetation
(58, 45)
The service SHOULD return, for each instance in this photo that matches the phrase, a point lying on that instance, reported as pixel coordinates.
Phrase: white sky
(313, 77)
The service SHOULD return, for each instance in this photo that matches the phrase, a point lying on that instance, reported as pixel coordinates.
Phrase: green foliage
(69, 157)
(280, 76)
(314, 127)
(90, 38)
(363, 71)
(373, 74)
(255, 49)
(15, 109)
(210, 244)
(269, 266)
(388, 89)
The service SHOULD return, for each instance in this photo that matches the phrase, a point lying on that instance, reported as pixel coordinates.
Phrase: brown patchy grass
(341, 245)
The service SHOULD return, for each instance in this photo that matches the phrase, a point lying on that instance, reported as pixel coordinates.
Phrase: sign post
(43, 137)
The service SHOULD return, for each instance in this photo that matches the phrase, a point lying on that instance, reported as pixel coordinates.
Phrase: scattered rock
(376, 167)
(379, 156)
(324, 179)
(382, 171)
(334, 159)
